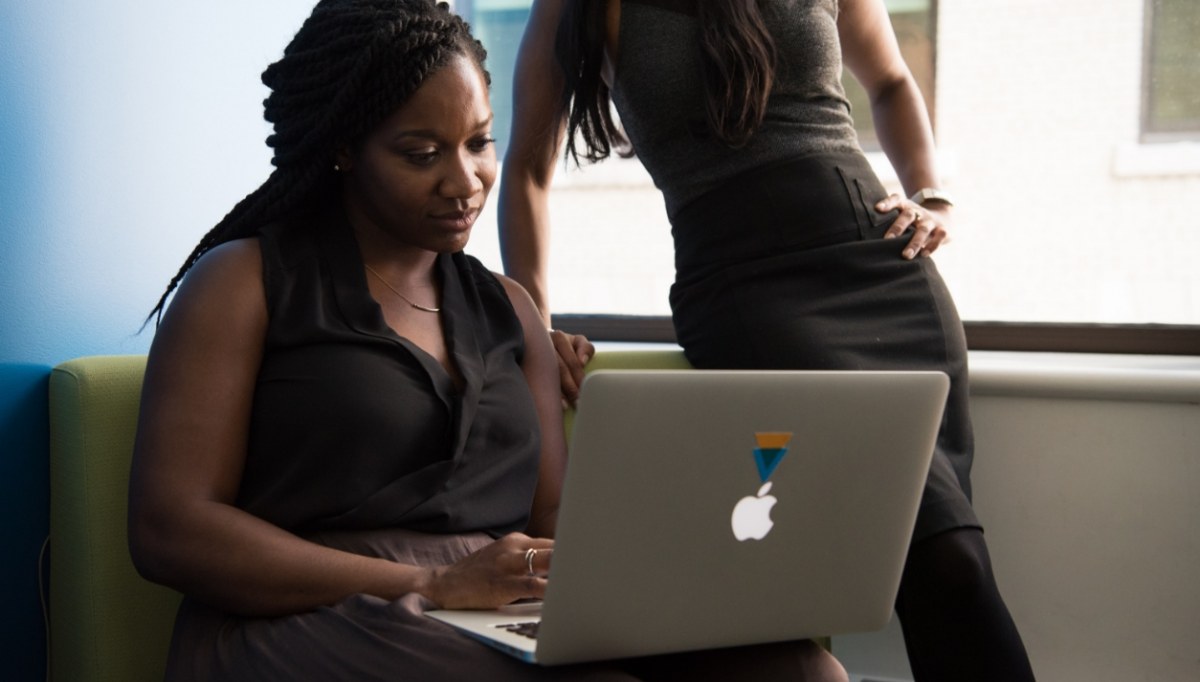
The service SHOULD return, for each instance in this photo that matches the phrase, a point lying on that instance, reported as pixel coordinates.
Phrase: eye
(420, 157)
(481, 144)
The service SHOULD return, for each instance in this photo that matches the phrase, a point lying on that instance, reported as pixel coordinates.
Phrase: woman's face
(422, 176)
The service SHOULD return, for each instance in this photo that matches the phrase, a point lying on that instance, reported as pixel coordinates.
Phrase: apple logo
(752, 515)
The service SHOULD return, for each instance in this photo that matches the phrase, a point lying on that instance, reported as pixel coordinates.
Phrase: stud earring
(337, 168)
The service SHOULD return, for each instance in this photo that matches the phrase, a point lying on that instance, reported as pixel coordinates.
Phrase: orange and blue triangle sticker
(772, 446)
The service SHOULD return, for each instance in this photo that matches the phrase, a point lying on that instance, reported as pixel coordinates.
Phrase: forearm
(234, 561)
(902, 126)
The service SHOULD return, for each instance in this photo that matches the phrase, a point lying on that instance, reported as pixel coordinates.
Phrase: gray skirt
(365, 638)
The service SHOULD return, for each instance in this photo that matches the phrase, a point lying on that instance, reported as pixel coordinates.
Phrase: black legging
(956, 626)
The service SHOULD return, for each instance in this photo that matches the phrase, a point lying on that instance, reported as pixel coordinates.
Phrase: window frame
(1135, 339)
(1147, 134)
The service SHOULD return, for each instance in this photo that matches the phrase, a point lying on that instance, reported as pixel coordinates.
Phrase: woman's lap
(359, 638)
(367, 638)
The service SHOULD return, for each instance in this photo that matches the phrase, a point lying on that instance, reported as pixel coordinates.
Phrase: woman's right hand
(496, 575)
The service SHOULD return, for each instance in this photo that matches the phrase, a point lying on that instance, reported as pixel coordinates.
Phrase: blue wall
(126, 130)
(23, 510)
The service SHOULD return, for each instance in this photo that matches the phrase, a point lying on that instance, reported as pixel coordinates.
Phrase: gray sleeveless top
(659, 95)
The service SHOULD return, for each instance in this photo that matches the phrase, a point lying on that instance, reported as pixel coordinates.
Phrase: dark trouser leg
(956, 626)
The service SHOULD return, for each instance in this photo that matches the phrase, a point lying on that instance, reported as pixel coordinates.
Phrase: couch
(106, 622)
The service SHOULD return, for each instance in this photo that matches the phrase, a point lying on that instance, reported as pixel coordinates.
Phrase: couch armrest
(106, 621)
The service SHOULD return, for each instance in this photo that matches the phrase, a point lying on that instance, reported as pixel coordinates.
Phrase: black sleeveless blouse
(354, 427)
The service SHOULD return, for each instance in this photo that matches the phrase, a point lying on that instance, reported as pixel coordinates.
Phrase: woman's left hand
(574, 351)
(929, 224)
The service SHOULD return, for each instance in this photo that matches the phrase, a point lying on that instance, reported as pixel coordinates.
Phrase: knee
(954, 565)
(820, 666)
(829, 669)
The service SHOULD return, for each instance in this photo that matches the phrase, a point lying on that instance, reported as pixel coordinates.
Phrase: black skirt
(786, 268)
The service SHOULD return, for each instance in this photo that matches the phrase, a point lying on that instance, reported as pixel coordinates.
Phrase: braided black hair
(351, 64)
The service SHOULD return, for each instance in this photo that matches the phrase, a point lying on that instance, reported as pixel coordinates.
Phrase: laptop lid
(711, 509)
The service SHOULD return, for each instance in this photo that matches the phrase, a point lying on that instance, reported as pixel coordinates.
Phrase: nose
(466, 176)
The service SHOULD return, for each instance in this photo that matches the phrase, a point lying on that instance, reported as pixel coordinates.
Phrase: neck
(404, 273)
(401, 264)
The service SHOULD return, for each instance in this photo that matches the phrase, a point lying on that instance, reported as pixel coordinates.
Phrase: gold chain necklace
(407, 300)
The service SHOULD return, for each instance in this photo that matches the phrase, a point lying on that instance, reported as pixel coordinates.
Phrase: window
(1069, 132)
(498, 24)
(1171, 84)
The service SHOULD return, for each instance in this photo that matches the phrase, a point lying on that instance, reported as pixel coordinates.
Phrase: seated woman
(345, 420)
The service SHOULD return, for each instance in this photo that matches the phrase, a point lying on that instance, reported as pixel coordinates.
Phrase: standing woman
(789, 254)
(345, 420)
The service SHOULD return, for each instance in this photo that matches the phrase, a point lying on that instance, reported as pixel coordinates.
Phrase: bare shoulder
(527, 311)
(238, 259)
(233, 268)
(221, 297)
(545, 14)
(521, 300)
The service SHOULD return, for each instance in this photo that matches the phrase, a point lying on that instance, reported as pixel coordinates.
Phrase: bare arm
(191, 446)
(184, 530)
(538, 130)
(535, 142)
(870, 51)
(540, 366)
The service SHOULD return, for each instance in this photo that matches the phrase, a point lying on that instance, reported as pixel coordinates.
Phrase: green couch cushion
(629, 359)
(106, 622)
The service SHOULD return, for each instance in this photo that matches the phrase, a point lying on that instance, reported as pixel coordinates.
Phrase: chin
(454, 245)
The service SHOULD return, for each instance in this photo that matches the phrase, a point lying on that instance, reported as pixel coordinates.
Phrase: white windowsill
(1156, 159)
(1090, 376)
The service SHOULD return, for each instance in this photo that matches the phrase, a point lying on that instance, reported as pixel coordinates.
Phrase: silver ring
(529, 555)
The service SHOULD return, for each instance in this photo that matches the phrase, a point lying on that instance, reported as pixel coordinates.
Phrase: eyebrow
(432, 135)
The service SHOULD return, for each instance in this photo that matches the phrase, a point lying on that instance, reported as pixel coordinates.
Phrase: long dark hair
(351, 64)
(737, 56)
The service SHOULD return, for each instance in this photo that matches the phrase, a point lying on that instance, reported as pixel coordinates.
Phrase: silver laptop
(706, 509)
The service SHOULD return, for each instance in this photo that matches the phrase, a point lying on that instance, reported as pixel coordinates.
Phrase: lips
(457, 220)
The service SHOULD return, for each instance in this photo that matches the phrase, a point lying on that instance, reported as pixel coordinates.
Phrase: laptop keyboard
(529, 629)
